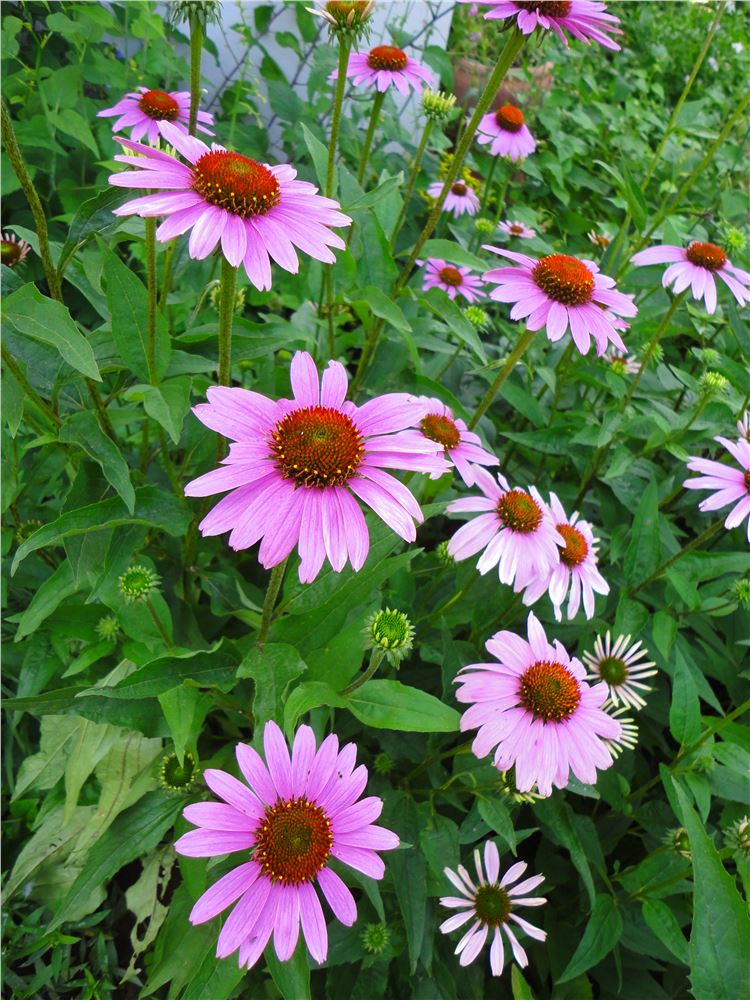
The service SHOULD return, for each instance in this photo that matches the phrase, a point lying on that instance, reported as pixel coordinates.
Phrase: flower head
(517, 229)
(108, 628)
(392, 632)
(741, 592)
(345, 17)
(535, 708)
(622, 363)
(386, 66)
(485, 227)
(586, 20)
(577, 570)
(202, 12)
(712, 384)
(558, 290)
(515, 528)
(461, 198)
(695, 266)
(453, 280)
(292, 814)
(176, 776)
(477, 317)
(601, 240)
(730, 485)
(677, 840)
(138, 583)
(737, 838)
(145, 111)
(492, 904)
(376, 938)
(214, 297)
(621, 669)
(743, 426)
(297, 465)
(437, 105)
(13, 250)
(255, 211)
(463, 448)
(507, 132)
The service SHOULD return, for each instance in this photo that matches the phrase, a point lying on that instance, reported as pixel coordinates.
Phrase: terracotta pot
(470, 77)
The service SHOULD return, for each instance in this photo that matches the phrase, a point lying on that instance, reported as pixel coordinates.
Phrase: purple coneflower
(13, 250)
(517, 229)
(730, 485)
(622, 668)
(695, 266)
(453, 280)
(461, 198)
(462, 446)
(145, 111)
(586, 20)
(290, 816)
(386, 66)
(507, 131)
(297, 465)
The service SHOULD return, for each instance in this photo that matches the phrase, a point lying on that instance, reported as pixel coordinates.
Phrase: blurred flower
(460, 199)
(734, 239)
(729, 484)
(202, 12)
(13, 250)
(622, 363)
(108, 628)
(375, 938)
(712, 384)
(741, 590)
(738, 47)
(477, 317)
(577, 570)
(619, 667)
(462, 446)
(486, 227)
(214, 297)
(297, 465)
(517, 229)
(176, 777)
(470, 177)
(253, 210)
(677, 840)
(737, 837)
(145, 111)
(453, 280)
(491, 905)
(391, 631)
(586, 20)
(515, 528)
(437, 105)
(710, 357)
(386, 65)
(537, 711)
(345, 16)
(601, 240)
(296, 814)
(138, 583)
(743, 426)
(27, 528)
(508, 133)
(628, 738)
(695, 266)
(713, 62)
(556, 291)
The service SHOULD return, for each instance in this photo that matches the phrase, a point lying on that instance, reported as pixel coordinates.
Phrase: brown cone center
(387, 57)
(236, 183)
(293, 842)
(706, 255)
(159, 106)
(317, 446)
(565, 279)
(549, 691)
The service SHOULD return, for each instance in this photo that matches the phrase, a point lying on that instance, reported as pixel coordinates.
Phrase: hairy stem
(375, 661)
(413, 174)
(515, 356)
(272, 592)
(377, 105)
(196, 49)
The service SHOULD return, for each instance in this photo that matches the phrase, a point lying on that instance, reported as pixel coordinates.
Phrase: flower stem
(704, 536)
(502, 194)
(158, 622)
(272, 592)
(226, 318)
(377, 104)
(523, 342)
(40, 223)
(488, 183)
(449, 362)
(166, 278)
(375, 661)
(151, 299)
(196, 49)
(10, 363)
(413, 174)
(338, 99)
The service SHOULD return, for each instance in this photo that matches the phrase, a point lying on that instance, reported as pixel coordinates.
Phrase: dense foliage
(132, 660)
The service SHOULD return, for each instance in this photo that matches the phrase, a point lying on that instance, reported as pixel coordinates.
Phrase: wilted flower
(392, 632)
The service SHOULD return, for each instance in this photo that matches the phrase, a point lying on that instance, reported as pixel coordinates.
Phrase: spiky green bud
(444, 555)
(737, 837)
(507, 787)
(26, 529)
(138, 583)
(176, 777)
(485, 227)
(392, 632)
(194, 12)
(437, 105)
(477, 317)
(734, 239)
(710, 357)
(712, 384)
(108, 628)
(383, 764)
(376, 938)
(345, 17)
(677, 839)
(741, 590)
(214, 297)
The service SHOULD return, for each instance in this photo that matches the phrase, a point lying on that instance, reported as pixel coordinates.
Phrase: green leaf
(644, 552)
(634, 197)
(292, 978)
(93, 217)
(168, 404)
(53, 837)
(409, 871)
(370, 198)
(75, 125)
(602, 934)
(454, 253)
(663, 923)
(44, 769)
(184, 708)
(311, 694)
(128, 304)
(135, 832)
(393, 705)
(273, 667)
(153, 507)
(684, 712)
(556, 817)
(90, 744)
(207, 667)
(47, 598)
(719, 969)
(519, 987)
(497, 816)
(383, 307)
(83, 430)
(33, 315)
(319, 156)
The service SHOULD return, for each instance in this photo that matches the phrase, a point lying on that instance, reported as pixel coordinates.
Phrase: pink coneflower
(558, 290)
(293, 814)
(462, 446)
(491, 905)
(517, 229)
(460, 199)
(453, 280)
(577, 569)
(622, 363)
(13, 250)
(508, 133)
(535, 707)
(696, 265)
(386, 65)
(730, 484)
(622, 669)
(586, 20)
(145, 112)
(516, 531)
(253, 210)
(297, 466)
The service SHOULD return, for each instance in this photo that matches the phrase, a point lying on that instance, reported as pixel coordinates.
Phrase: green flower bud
(677, 839)
(437, 105)
(485, 227)
(710, 357)
(507, 787)
(176, 777)
(345, 17)
(391, 631)
(444, 555)
(108, 628)
(376, 938)
(138, 583)
(712, 384)
(383, 764)
(741, 590)
(214, 297)
(26, 529)
(194, 12)
(734, 239)
(737, 837)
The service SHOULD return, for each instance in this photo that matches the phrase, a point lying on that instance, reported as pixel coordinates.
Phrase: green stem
(560, 374)
(448, 363)
(226, 318)
(502, 194)
(272, 592)
(166, 278)
(196, 49)
(157, 621)
(453, 600)
(10, 363)
(375, 661)
(488, 183)
(704, 536)
(338, 99)
(151, 300)
(95, 396)
(377, 105)
(413, 174)
(523, 342)
(40, 223)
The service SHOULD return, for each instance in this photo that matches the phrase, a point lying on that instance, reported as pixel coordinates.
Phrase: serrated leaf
(272, 667)
(601, 935)
(83, 429)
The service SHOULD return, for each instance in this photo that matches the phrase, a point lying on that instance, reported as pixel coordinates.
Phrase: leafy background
(96, 900)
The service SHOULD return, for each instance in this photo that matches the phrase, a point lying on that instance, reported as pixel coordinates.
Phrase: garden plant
(376, 495)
